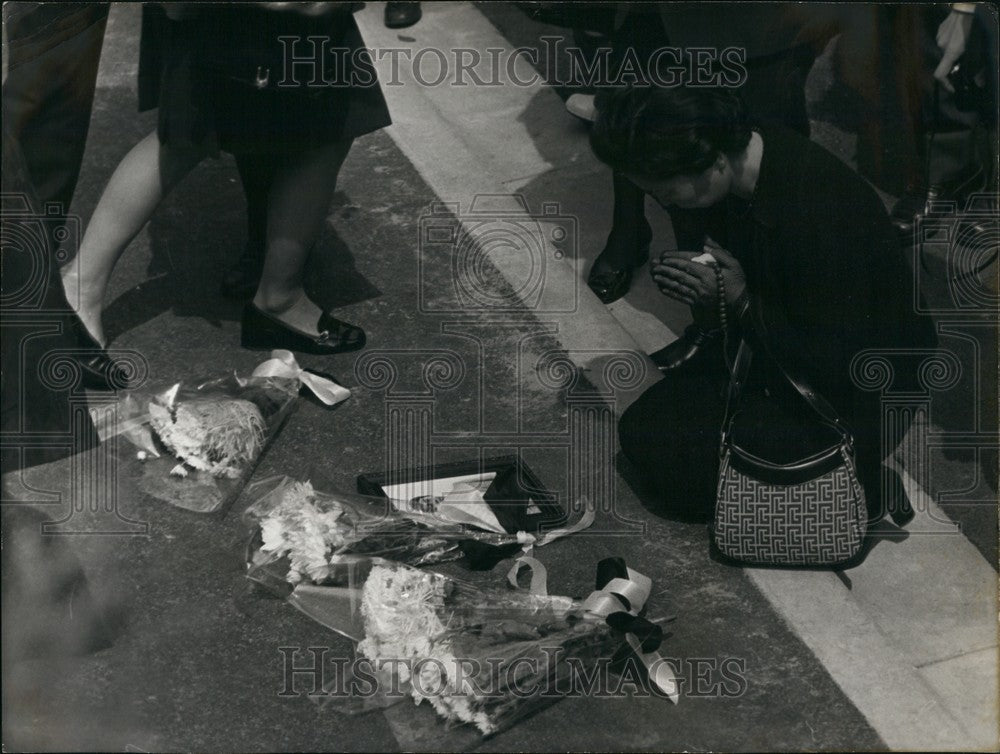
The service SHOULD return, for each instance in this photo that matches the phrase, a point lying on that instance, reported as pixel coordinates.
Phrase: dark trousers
(257, 173)
(671, 435)
(54, 50)
(53, 53)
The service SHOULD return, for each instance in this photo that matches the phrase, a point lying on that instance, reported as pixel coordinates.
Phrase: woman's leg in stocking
(256, 174)
(627, 246)
(141, 180)
(639, 35)
(299, 203)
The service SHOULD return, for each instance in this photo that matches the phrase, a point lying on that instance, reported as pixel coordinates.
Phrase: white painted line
(470, 141)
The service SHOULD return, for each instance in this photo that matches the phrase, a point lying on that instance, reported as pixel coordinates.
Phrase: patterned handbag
(810, 512)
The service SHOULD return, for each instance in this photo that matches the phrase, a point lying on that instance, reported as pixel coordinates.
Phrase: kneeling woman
(804, 246)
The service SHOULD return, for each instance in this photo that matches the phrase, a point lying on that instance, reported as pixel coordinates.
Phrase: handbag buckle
(263, 77)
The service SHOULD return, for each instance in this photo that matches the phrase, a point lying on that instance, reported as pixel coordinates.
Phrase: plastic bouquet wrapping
(302, 535)
(480, 656)
(195, 446)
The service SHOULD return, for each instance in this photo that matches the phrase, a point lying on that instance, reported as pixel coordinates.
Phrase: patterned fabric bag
(808, 512)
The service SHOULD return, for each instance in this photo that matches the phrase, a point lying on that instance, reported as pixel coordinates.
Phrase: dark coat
(824, 262)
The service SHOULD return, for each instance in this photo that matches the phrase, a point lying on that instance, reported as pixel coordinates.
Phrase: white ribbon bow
(634, 591)
(283, 364)
(529, 541)
(612, 598)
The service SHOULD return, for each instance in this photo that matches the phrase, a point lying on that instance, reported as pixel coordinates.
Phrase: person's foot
(399, 15)
(300, 313)
(891, 502)
(916, 201)
(911, 205)
(686, 348)
(242, 279)
(98, 371)
(611, 274)
(582, 106)
(303, 326)
(87, 304)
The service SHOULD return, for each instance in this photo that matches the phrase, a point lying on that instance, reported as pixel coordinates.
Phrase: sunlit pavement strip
(473, 141)
(914, 643)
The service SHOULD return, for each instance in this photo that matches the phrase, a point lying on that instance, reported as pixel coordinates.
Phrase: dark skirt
(203, 73)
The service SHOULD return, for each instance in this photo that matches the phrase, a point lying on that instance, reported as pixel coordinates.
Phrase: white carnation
(304, 531)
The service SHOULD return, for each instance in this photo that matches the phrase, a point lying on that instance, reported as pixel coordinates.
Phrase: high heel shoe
(262, 331)
(98, 371)
(610, 277)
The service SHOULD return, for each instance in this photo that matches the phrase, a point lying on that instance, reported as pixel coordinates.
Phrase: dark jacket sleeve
(840, 276)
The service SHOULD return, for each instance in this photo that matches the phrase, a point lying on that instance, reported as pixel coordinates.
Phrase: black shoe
(911, 205)
(241, 280)
(261, 331)
(693, 342)
(399, 15)
(896, 503)
(916, 201)
(611, 278)
(98, 371)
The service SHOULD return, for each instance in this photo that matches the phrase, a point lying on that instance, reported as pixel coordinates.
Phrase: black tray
(537, 508)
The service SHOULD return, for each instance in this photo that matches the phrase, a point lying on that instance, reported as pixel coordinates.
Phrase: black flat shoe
(261, 331)
(241, 280)
(609, 277)
(693, 342)
(98, 371)
(895, 505)
(399, 15)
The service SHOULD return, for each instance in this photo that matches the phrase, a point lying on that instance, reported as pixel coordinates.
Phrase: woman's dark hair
(660, 132)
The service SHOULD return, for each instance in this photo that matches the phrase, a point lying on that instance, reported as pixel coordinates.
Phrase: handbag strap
(737, 376)
(817, 402)
(740, 370)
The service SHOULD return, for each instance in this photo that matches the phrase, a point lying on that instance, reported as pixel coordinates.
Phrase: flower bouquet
(195, 446)
(479, 655)
(302, 535)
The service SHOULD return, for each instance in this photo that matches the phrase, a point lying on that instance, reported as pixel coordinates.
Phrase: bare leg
(141, 180)
(299, 203)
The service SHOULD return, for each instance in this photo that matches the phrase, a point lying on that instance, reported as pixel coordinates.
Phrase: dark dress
(817, 245)
(201, 73)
